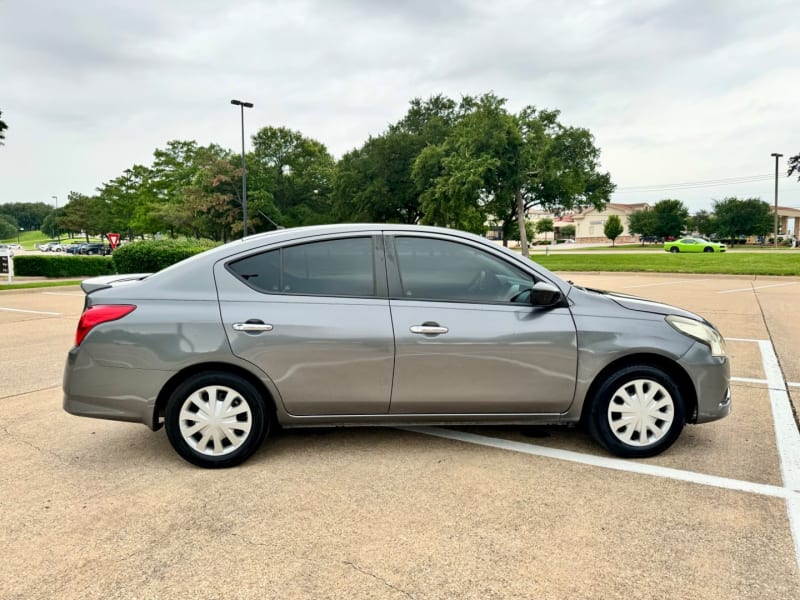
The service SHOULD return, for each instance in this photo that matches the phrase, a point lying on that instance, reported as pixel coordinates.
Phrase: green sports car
(692, 244)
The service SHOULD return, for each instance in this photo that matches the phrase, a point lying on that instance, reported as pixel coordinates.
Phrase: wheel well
(181, 376)
(673, 369)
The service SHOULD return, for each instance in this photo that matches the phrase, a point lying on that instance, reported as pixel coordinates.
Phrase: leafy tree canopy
(613, 228)
(736, 217)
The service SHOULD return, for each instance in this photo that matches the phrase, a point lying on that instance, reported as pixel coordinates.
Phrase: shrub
(151, 256)
(63, 266)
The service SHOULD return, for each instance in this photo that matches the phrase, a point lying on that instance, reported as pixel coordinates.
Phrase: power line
(697, 184)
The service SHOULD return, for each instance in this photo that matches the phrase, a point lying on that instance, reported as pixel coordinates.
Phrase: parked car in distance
(51, 247)
(6, 250)
(15, 246)
(95, 249)
(74, 248)
(651, 239)
(692, 244)
(384, 325)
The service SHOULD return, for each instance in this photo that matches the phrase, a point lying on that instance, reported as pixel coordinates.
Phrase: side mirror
(545, 294)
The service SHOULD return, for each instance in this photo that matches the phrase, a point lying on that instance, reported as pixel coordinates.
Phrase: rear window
(343, 267)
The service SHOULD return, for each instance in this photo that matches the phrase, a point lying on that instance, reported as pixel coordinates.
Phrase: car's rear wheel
(637, 412)
(216, 419)
(708, 249)
(674, 249)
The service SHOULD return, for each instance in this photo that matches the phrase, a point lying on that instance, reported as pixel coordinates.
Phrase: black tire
(708, 249)
(229, 441)
(674, 249)
(663, 423)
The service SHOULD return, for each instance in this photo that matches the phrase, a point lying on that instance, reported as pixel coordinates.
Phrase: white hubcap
(215, 420)
(641, 412)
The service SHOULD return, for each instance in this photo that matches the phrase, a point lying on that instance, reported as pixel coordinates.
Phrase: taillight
(102, 313)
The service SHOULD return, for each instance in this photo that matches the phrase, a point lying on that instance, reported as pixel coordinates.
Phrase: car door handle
(252, 327)
(428, 329)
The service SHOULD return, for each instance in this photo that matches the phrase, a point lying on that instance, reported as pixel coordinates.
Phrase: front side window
(432, 269)
(343, 267)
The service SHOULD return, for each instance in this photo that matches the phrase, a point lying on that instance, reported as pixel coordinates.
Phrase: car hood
(643, 305)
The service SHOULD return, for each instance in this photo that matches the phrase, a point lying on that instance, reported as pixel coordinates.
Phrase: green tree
(495, 163)
(29, 215)
(3, 128)
(794, 166)
(292, 177)
(8, 228)
(670, 218)
(567, 232)
(544, 226)
(642, 222)
(703, 223)
(613, 228)
(736, 217)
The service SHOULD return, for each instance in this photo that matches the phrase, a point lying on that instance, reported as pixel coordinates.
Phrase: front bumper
(711, 378)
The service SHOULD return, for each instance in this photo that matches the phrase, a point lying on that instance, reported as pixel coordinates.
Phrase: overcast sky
(673, 91)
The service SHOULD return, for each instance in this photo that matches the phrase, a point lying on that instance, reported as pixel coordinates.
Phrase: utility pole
(777, 156)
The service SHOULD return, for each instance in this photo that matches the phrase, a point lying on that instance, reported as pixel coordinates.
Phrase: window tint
(438, 270)
(330, 268)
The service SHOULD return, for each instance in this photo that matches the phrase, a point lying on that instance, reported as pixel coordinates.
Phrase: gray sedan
(384, 325)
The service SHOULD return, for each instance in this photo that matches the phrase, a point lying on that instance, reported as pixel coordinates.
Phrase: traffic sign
(113, 239)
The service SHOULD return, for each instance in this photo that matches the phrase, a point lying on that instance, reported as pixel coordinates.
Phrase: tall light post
(777, 156)
(242, 105)
(55, 220)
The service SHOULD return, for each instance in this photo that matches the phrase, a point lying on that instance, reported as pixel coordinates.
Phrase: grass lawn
(732, 263)
(37, 284)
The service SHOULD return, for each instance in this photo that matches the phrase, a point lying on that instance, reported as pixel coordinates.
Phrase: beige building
(590, 224)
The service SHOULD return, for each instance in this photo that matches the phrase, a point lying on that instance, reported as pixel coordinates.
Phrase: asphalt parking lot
(99, 509)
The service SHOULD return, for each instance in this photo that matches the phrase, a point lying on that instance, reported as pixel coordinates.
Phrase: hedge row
(63, 266)
(138, 257)
(152, 256)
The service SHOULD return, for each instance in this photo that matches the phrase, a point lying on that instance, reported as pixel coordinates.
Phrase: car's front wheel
(216, 420)
(674, 249)
(637, 412)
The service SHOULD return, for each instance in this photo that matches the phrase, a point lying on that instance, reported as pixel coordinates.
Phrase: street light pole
(55, 220)
(242, 106)
(777, 156)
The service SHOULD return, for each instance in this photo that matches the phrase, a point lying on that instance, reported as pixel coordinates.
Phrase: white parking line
(644, 285)
(609, 463)
(760, 287)
(35, 312)
(787, 437)
(63, 294)
(749, 380)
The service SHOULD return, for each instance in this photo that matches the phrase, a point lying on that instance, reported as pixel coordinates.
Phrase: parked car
(6, 250)
(691, 244)
(96, 249)
(74, 248)
(51, 247)
(384, 325)
(15, 246)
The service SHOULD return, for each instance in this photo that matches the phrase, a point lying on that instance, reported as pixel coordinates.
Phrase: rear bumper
(92, 390)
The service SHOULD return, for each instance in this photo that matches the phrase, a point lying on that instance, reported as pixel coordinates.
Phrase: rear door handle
(251, 326)
(428, 329)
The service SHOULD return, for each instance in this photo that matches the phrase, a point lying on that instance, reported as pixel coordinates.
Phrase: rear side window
(331, 268)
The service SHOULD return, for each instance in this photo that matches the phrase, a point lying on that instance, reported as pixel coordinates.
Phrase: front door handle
(428, 329)
(252, 326)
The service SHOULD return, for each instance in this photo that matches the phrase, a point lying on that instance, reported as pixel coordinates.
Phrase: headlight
(701, 332)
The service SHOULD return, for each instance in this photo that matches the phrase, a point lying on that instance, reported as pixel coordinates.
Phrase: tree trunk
(523, 237)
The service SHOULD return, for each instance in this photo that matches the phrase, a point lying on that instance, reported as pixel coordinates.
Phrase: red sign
(113, 239)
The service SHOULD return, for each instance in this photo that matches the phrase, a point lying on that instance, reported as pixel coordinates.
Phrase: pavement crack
(381, 579)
